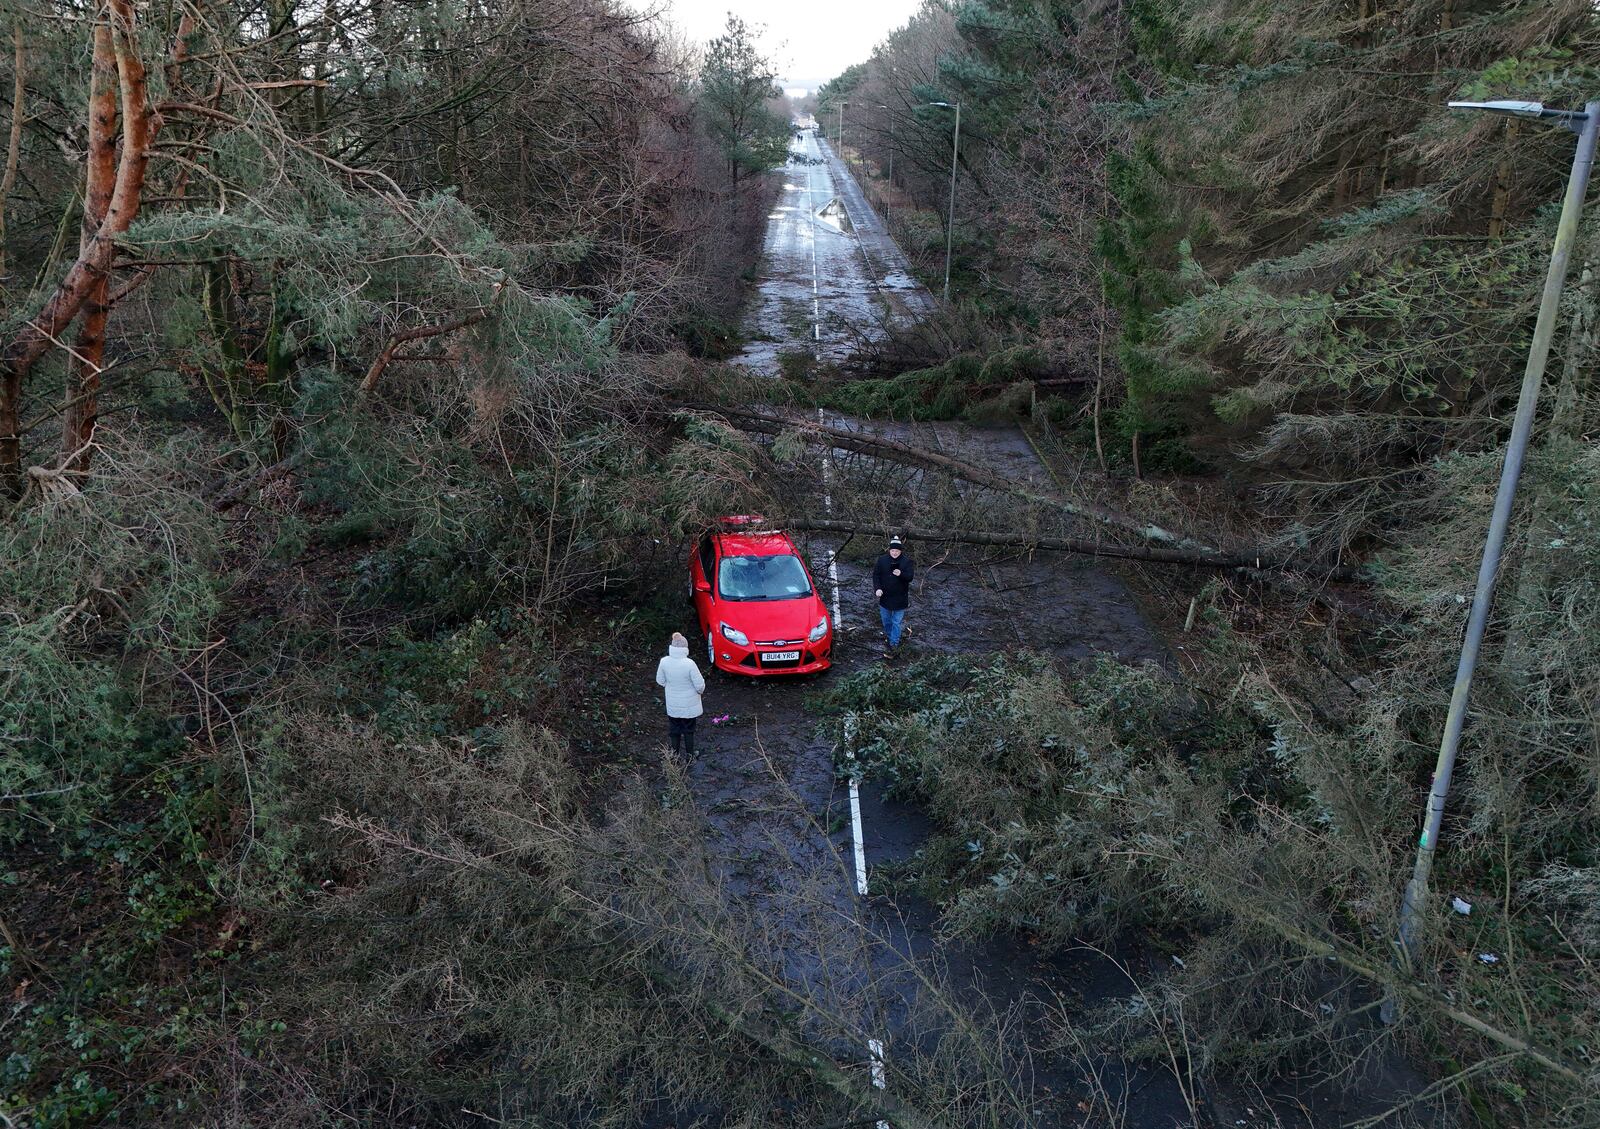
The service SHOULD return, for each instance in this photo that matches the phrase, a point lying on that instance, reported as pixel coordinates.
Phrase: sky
(810, 40)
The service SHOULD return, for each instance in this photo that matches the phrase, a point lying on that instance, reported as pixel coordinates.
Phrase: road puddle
(835, 215)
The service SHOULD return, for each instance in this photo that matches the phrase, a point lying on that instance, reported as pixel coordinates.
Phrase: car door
(702, 577)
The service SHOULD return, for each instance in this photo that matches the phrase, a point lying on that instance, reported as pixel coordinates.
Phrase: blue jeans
(891, 623)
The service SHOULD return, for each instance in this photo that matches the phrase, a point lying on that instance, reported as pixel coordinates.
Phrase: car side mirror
(702, 586)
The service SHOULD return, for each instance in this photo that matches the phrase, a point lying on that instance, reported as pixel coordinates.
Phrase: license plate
(780, 657)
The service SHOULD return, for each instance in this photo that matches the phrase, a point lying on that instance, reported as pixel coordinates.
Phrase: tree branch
(908, 454)
(401, 337)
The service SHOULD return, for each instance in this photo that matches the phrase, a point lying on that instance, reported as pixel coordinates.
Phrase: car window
(762, 578)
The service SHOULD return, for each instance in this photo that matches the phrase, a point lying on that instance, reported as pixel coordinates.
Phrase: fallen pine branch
(1085, 547)
(229, 496)
(420, 333)
(1357, 963)
(784, 1044)
(1079, 545)
(778, 1036)
(906, 453)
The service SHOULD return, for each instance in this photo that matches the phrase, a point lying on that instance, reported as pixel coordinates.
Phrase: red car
(759, 611)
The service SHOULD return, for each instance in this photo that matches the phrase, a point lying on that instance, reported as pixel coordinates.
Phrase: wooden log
(894, 450)
(1079, 545)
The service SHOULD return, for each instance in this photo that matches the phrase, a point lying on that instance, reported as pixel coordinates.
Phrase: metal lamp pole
(1586, 124)
(888, 203)
(840, 135)
(950, 228)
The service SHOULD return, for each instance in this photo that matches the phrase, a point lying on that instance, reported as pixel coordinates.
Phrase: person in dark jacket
(891, 580)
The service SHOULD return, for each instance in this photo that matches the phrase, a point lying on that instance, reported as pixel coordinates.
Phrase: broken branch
(401, 337)
(894, 450)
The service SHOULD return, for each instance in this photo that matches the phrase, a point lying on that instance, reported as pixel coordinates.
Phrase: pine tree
(737, 86)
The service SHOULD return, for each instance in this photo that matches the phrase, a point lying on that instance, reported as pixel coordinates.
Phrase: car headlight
(738, 637)
(819, 630)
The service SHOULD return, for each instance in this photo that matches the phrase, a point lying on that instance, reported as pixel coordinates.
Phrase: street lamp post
(888, 203)
(1586, 124)
(840, 134)
(950, 227)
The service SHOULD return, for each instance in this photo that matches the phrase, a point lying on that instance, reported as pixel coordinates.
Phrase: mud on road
(782, 832)
(779, 821)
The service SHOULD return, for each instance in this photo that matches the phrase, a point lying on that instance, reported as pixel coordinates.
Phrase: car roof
(756, 543)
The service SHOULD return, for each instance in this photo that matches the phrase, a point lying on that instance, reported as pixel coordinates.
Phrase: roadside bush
(104, 596)
(1265, 841)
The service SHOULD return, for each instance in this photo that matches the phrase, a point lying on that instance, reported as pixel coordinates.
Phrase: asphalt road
(830, 275)
(789, 837)
(796, 845)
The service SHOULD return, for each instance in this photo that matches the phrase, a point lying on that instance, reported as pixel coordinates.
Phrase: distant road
(829, 273)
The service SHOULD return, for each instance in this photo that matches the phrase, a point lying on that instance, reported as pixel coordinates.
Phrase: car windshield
(762, 578)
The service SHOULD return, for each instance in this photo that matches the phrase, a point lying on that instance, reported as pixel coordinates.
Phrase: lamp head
(1572, 119)
(1515, 109)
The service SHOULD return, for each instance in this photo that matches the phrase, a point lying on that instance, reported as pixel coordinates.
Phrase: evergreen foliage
(321, 477)
(377, 409)
(1262, 231)
(738, 88)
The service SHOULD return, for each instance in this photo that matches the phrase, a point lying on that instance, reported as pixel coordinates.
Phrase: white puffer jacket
(683, 682)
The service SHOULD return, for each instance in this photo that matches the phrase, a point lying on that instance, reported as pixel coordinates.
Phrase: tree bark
(8, 179)
(85, 363)
(916, 456)
(1500, 200)
(1080, 545)
(140, 125)
(400, 337)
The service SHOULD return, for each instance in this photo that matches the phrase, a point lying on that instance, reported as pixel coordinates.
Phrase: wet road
(784, 833)
(796, 846)
(830, 275)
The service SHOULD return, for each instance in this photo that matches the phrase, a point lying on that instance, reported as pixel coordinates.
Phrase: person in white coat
(678, 675)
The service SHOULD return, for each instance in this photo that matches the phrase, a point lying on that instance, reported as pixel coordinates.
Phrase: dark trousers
(680, 730)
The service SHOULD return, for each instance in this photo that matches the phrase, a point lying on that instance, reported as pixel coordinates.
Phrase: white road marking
(833, 580)
(857, 838)
(811, 230)
(827, 508)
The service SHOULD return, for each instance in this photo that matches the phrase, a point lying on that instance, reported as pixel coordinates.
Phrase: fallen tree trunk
(1023, 541)
(228, 496)
(1147, 554)
(896, 451)
(1421, 994)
